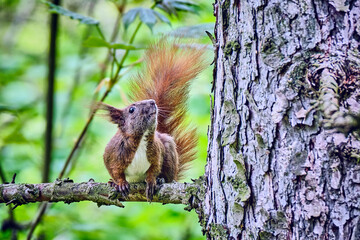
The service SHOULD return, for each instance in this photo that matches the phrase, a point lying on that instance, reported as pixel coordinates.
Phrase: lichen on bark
(293, 70)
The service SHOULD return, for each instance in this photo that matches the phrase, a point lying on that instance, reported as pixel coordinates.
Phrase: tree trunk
(286, 78)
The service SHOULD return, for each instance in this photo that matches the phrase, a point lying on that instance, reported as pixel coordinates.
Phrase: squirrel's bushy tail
(166, 79)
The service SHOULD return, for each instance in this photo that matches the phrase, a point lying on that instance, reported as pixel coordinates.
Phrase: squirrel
(153, 140)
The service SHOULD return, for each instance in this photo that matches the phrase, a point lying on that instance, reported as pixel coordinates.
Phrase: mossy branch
(68, 192)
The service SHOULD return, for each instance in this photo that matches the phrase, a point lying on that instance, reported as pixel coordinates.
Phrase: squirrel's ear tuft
(112, 114)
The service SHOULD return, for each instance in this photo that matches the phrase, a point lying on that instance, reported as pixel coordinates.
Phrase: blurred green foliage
(24, 41)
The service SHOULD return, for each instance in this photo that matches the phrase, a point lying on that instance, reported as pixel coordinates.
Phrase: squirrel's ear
(116, 116)
(113, 114)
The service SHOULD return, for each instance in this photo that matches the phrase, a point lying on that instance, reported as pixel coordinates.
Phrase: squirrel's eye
(132, 109)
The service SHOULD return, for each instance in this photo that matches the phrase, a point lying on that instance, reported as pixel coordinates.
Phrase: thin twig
(113, 63)
(13, 178)
(134, 63)
(50, 93)
(113, 37)
(104, 65)
(40, 213)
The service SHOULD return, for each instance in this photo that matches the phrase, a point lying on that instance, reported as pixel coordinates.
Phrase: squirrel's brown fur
(166, 79)
(153, 139)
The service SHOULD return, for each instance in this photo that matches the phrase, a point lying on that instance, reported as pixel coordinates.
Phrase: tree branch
(68, 192)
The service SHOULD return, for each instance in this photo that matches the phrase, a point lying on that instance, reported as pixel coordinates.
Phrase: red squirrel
(153, 140)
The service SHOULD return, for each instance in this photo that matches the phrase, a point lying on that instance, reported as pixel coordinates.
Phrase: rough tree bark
(284, 149)
(287, 74)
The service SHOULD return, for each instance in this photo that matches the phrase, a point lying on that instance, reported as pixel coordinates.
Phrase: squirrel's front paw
(122, 186)
(150, 190)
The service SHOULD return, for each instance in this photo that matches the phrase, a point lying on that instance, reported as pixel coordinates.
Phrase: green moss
(217, 231)
(226, 4)
(230, 47)
(236, 46)
(281, 216)
(299, 72)
(237, 183)
(240, 167)
(202, 220)
(240, 185)
(18, 197)
(191, 190)
(268, 46)
(260, 140)
(239, 180)
(195, 194)
(231, 122)
(264, 235)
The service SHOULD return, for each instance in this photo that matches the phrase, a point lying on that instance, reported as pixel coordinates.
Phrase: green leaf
(184, 7)
(184, 2)
(130, 16)
(166, 6)
(99, 42)
(96, 42)
(62, 11)
(4, 108)
(123, 46)
(195, 31)
(162, 18)
(148, 17)
(173, 6)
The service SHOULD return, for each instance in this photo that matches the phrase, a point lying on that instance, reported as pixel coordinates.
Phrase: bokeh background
(24, 43)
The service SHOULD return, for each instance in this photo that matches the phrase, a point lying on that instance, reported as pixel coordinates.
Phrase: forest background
(24, 46)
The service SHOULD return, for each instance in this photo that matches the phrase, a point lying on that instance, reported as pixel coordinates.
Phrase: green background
(23, 76)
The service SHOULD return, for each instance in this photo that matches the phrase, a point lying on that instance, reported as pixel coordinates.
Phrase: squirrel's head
(135, 119)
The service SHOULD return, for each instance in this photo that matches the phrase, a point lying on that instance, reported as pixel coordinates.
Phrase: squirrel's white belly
(136, 171)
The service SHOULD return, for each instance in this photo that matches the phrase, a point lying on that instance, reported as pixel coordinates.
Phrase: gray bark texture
(283, 160)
